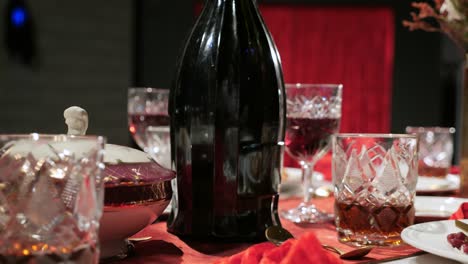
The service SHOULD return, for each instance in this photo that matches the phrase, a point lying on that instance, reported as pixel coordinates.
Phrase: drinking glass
(51, 198)
(375, 178)
(158, 140)
(313, 116)
(435, 149)
(146, 107)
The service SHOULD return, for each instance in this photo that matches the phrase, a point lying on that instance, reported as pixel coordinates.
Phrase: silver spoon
(277, 235)
(139, 239)
(352, 254)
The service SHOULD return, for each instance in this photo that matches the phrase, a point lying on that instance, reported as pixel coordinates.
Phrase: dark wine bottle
(227, 109)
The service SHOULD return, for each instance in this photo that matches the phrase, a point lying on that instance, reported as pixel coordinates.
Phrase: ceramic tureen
(137, 189)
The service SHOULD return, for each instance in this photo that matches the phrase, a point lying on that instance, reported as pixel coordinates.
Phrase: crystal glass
(158, 140)
(313, 116)
(51, 198)
(375, 178)
(435, 149)
(146, 107)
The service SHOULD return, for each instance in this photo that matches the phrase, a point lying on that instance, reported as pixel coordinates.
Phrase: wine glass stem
(308, 182)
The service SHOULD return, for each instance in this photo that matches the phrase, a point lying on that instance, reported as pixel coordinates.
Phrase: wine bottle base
(243, 226)
(216, 238)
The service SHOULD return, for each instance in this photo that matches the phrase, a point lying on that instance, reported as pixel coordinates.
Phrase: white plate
(432, 237)
(291, 184)
(434, 185)
(435, 206)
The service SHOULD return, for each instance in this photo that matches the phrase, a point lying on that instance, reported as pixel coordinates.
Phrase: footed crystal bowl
(137, 190)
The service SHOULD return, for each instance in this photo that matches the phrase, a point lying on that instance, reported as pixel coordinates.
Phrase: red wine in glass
(307, 137)
(138, 122)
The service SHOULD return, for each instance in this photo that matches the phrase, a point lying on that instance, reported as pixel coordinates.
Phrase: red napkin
(461, 213)
(455, 170)
(306, 249)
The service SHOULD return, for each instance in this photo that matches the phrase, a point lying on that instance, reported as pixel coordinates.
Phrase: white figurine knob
(76, 119)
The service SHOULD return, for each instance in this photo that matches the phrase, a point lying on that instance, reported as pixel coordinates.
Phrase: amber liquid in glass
(34, 254)
(364, 225)
(425, 170)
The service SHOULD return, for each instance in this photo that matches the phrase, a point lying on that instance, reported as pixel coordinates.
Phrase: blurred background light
(18, 16)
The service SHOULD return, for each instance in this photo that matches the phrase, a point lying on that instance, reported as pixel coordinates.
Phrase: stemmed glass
(146, 107)
(313, 116)
(158, 140)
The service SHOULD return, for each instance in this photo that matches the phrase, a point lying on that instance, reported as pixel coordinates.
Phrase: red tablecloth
(167, 248)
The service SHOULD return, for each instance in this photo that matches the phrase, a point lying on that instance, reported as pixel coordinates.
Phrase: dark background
(90, 52)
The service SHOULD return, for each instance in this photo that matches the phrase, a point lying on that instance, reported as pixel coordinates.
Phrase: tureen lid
(124, 165)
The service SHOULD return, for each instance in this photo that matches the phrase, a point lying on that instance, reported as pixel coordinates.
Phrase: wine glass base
(307, 214)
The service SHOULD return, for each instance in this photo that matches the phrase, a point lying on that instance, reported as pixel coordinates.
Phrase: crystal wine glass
(313, 116)
(146, 107)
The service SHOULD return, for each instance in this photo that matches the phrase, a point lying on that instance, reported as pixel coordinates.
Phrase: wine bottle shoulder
(237, 35)
(234, 30)
(230, 66)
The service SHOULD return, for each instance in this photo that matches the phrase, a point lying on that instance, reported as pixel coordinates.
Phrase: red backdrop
(348, 45)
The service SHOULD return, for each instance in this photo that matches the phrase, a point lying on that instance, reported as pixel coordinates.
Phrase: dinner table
(164, 247)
